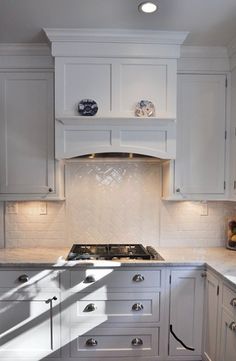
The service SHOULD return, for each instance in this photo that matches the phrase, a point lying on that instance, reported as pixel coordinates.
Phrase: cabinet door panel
(186, 310)
(29, 327)
(26, 133)
(211, 318)
(200, 161)
(228, 339)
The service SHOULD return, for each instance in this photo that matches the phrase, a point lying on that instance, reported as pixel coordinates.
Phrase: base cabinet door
(211, 334)
(186, 313)
(29, 327)
(228, 338)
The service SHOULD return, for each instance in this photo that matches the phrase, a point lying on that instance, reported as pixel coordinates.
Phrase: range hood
(117, 69)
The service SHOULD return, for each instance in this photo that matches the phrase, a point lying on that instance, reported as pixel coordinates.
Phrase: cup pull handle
(137, 341)
(137, 307)
(138, 278)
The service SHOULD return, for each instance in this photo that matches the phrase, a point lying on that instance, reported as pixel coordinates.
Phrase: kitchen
(162, 183)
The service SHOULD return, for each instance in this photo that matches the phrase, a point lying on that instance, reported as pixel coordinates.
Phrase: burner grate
(108, 251)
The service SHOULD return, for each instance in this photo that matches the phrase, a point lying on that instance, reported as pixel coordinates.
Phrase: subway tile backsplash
(116, 201)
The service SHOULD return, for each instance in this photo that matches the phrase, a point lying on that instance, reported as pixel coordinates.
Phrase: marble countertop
(219, 259)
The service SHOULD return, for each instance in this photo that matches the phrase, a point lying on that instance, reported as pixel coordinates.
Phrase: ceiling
(210, 22)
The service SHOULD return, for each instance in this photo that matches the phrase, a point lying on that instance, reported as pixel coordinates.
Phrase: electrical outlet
(12, 207)
(43, 208)
(204, 209)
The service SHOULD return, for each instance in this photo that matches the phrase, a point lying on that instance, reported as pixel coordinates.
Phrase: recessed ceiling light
(147, 7)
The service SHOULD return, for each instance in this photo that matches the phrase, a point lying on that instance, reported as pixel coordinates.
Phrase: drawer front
(229, 300)
(110, 342)
(25, 278)
(116, 307)
(131, 279)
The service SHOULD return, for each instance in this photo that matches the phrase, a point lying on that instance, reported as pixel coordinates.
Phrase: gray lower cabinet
(186, 314)
(116, 314)
(128, 314)
(29, 316)
(211, 319)
(228, 325)
(228, 338)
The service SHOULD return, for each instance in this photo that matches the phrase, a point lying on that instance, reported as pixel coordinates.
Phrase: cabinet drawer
(25, 278)
(101, 306)
(228, 338)
(229, 300)
(113, 342)
(131, 279)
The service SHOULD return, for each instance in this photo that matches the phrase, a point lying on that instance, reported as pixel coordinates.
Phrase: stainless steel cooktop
(112, 252)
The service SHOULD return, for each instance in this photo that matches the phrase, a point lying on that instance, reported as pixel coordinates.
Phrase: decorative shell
(145, 108)
(87, 107)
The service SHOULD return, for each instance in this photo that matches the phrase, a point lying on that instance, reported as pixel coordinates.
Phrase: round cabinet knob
(137, 307)
(90, 308)
(232, 326)
(204, 275)
(233, 302)
(137, 342)
(177, 190)
(91, 342)
(50, 190)
(138, 278)
(89, 279)
(23, 278)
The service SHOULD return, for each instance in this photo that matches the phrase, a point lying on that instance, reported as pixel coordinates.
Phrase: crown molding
(25, 56)
(232, 47)
(116, 43)
(116, 36)
(204, 52)
(232, 53)
(213, 59)
(24, 49)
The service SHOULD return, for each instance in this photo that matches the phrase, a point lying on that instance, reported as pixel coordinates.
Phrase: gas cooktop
(112, 251)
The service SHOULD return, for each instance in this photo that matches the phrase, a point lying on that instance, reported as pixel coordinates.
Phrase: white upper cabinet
(232, 166)
(116, 85)
(200, 166)
(117, 69)
(27, 166)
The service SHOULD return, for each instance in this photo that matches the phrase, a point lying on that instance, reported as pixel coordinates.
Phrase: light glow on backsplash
(115, 202)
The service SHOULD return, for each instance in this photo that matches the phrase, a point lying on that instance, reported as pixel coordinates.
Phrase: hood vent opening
(115, 157)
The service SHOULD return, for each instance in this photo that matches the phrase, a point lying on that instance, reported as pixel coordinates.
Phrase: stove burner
(111, 251)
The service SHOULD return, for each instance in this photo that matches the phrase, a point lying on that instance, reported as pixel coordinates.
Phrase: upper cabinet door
(201, 124)
(26, 133)
(117, 85)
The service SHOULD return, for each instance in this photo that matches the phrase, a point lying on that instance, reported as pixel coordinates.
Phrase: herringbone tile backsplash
(116, 202)
(113, 202)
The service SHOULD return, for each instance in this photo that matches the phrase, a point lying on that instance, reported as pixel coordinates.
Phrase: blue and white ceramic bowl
(87, 107)
(144, 108)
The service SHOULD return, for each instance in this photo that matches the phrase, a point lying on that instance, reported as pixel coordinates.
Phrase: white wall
(117, 202)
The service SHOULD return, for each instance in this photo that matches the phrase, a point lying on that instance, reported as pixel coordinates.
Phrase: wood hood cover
(117, 69)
